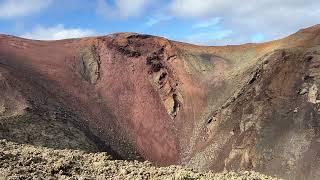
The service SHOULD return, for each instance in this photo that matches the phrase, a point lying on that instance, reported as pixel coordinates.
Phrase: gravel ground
(20, 161)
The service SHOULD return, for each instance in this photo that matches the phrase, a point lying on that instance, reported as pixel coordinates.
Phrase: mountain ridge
(312, 29)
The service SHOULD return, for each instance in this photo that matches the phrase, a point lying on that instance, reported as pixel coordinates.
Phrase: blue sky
(209, 22)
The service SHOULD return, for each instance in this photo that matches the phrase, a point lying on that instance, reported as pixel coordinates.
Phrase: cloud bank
(57, 32)
(122, 8)
(255, 20)
(215, 22)
(20, 8)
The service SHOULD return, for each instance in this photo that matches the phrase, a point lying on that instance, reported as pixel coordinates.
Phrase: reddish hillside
(252, 106)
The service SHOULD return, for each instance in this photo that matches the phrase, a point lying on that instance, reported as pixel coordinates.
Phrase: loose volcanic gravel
(21, 161)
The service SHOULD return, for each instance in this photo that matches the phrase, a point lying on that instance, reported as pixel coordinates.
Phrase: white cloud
(129, 8)
(122, 8)
(196, 8)
(207, 23)
(272, 18)
(21, 8)
(104, 9)
(57, 32)
(208, 37)
(157, 19)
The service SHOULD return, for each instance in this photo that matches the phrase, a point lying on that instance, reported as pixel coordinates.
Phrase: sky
(206, 22)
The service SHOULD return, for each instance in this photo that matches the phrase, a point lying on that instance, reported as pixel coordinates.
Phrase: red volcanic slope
(252, 106)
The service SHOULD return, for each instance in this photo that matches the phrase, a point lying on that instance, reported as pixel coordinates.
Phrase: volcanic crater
(141, 97)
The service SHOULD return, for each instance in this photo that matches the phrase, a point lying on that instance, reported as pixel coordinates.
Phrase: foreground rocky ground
(21, 161)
